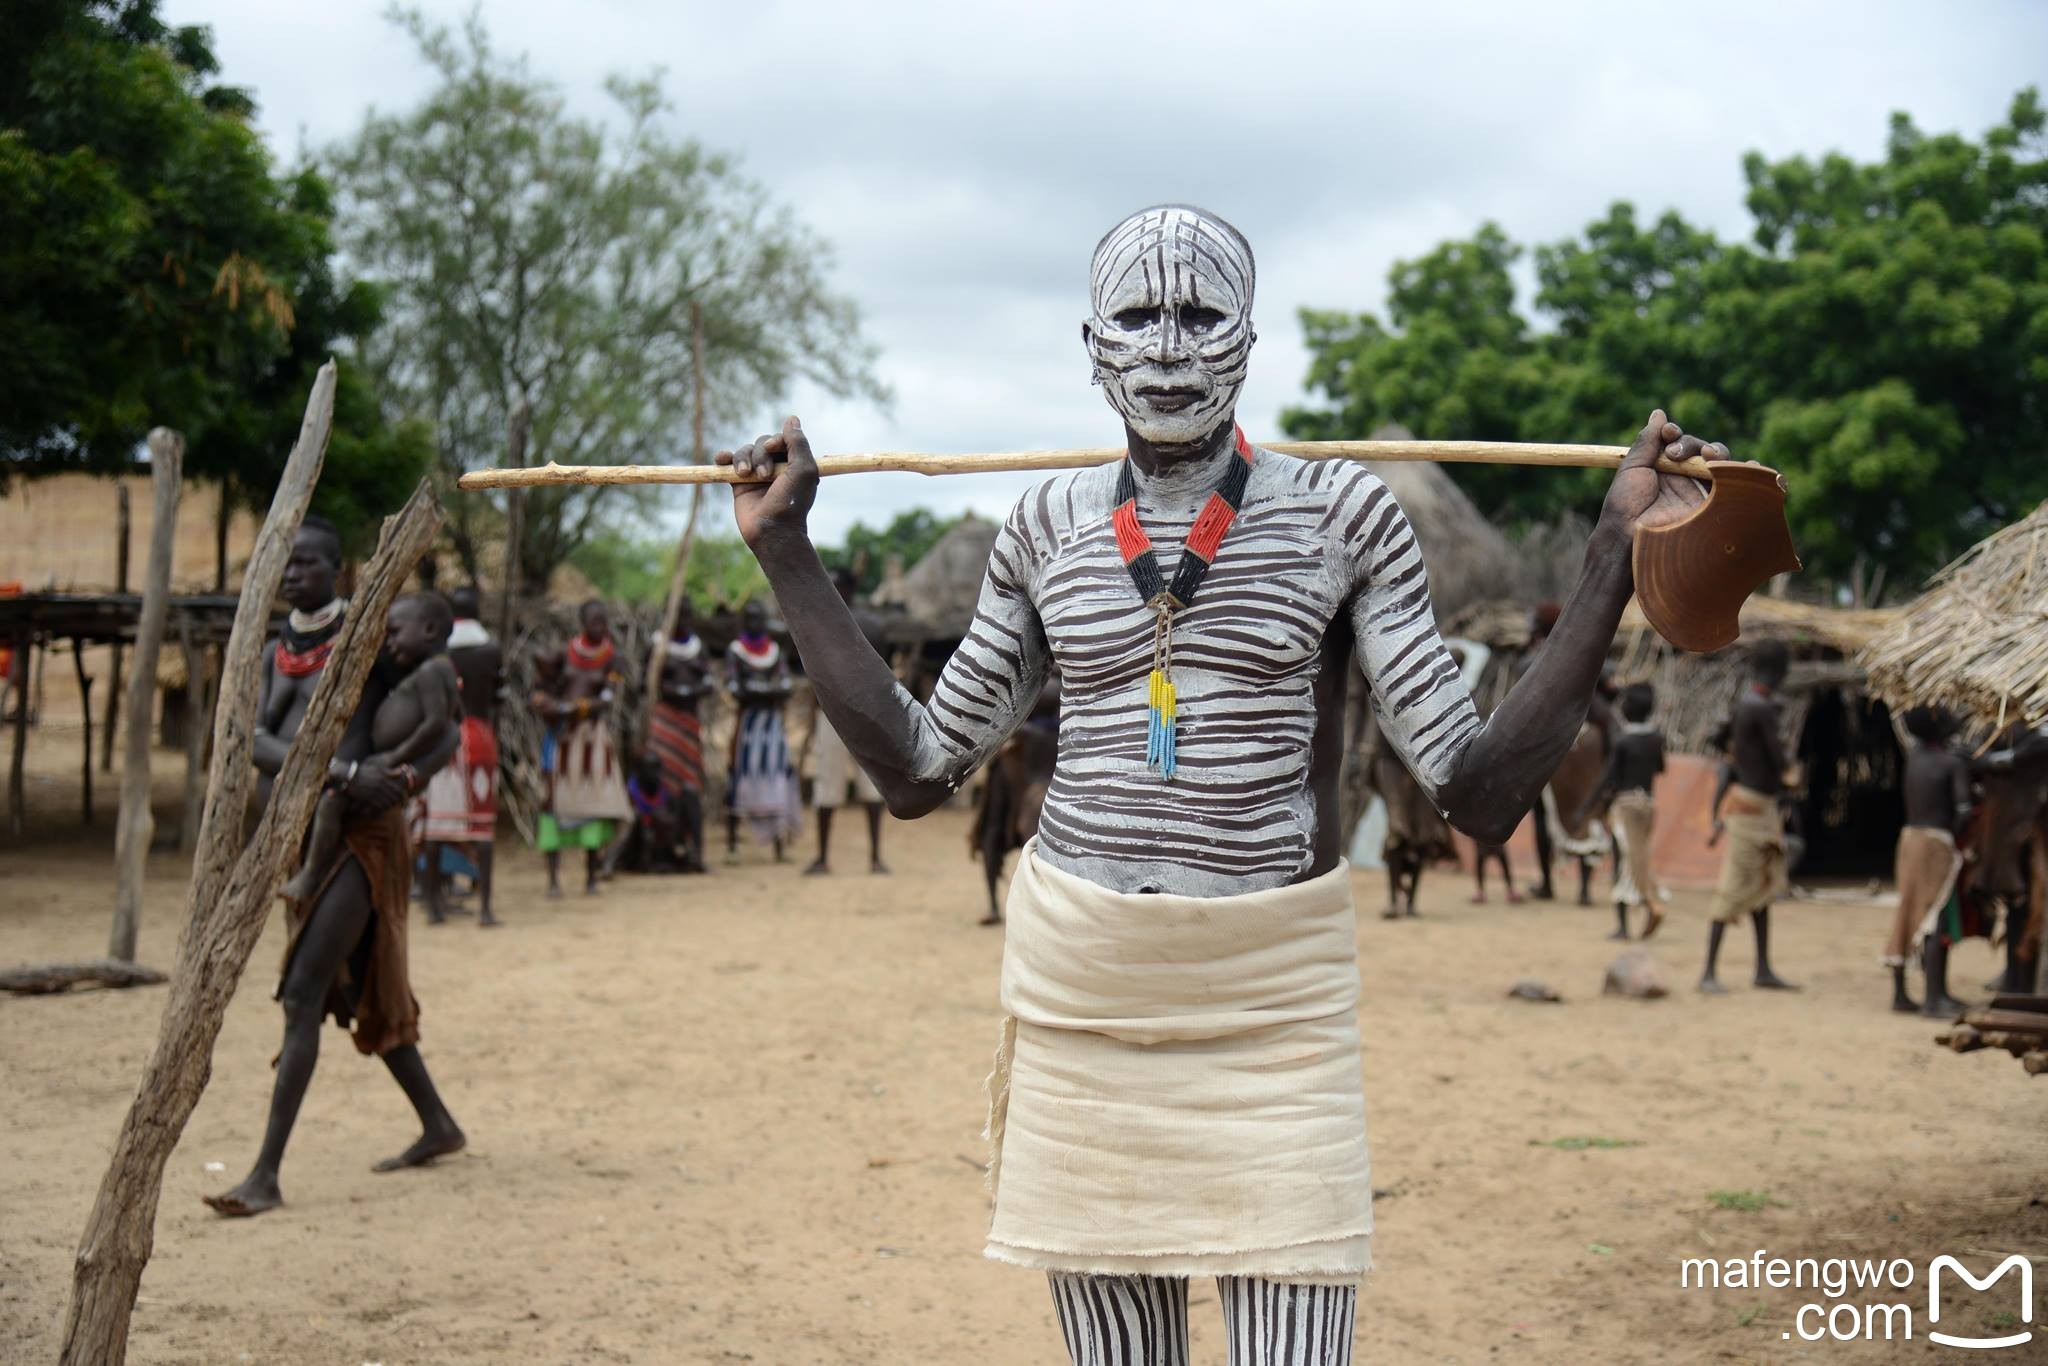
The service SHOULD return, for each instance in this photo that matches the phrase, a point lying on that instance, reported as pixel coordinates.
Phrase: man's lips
(1169, 399)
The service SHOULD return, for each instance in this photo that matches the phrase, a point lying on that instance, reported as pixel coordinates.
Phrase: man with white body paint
(1177, 1089)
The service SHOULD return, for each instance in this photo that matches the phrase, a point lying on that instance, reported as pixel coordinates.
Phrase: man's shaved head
(466, 601)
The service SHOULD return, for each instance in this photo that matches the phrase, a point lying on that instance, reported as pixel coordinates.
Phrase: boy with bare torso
(410, 724)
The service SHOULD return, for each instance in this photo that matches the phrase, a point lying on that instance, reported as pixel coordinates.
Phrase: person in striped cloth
(761, 786)
(675, 733)
(1177, 1089)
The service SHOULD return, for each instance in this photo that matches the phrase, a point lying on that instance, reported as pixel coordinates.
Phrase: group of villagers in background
(648, 815)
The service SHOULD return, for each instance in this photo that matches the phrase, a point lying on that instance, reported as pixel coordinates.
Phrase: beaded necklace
(1205, 538)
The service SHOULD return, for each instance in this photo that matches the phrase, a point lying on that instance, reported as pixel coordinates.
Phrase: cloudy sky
(962, 159)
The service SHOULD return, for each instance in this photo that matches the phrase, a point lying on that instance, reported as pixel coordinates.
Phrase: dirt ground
(736, 1118)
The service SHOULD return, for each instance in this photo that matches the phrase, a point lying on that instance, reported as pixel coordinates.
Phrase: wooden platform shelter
(37, 627)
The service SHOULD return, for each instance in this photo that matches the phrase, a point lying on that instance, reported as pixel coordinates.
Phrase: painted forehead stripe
(1150, 240)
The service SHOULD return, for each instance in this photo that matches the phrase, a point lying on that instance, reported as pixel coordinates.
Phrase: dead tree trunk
(136, 823)
(232, 882)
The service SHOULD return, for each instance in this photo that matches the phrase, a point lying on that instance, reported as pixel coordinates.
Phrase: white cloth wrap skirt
(1178, 1091)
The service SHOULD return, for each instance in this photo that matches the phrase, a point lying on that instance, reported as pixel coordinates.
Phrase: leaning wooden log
(215, 949)
(49, 978)
(233, 882)
(136, 823)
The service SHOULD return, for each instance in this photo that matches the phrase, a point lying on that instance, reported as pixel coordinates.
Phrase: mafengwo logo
(2026, 1311)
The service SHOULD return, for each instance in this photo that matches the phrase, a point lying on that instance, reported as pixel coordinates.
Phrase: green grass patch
(1748, 1316)
(1580, 1143)
(1749, 1202)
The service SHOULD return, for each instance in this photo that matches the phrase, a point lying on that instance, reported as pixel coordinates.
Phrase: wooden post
(111, 726)
(17, 791)
(516, 430)
(197, 699)
(85, 712)
(232, 883)
(136, 824)
(672, 606)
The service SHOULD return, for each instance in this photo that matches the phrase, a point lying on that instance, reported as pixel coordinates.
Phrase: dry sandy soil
(736, 1118)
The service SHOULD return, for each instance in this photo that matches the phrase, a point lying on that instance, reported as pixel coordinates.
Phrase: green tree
(154, 269)
(1883, 340)
(550, 259)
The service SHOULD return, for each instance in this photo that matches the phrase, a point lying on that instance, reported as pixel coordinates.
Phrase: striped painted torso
(1317, 547)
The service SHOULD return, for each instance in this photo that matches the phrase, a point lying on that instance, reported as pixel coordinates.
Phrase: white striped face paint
(1171, 328)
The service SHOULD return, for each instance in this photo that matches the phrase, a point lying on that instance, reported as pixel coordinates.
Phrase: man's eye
(1132, 319)
(1200, 319)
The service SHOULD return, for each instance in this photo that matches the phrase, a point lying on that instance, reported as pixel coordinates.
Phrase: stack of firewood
(2018, 1024)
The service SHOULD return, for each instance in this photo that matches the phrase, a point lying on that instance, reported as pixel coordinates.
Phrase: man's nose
(1169, 343)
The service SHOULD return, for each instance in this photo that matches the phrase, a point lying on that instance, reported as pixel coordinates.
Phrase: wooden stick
(136, 824)
(912, 462)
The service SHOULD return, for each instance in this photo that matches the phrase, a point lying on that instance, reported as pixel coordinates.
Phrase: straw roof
(1977, 642)
(1503, 624)
(1841, 629)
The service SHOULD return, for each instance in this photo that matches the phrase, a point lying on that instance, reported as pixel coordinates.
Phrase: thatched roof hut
(1467, 557)
(1977, 641)
(937, 594)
